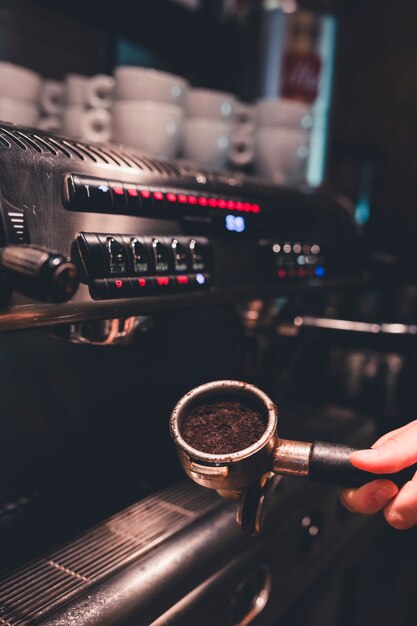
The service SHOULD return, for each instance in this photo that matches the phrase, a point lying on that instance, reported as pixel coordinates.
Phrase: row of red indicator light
(162, 281)
(182, 198)
(292, 273)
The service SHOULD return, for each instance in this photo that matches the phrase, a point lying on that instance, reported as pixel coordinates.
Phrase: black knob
(39, 273)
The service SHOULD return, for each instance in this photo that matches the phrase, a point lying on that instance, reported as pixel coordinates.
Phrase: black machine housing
(149, 234)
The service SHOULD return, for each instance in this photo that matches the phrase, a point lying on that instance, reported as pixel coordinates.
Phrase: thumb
(391, 454)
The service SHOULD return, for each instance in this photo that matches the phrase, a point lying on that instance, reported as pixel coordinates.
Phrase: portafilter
(247, 473)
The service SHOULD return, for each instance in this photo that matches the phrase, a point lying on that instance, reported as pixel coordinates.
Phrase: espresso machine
(125, 282)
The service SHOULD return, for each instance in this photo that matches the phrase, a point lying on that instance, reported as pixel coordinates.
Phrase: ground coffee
(222, 427)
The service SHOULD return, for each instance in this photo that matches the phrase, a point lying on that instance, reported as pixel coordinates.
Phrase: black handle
(39, 273)
(330, 463)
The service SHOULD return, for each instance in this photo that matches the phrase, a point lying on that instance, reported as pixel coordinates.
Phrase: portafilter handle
(323, 462)
(330, 463)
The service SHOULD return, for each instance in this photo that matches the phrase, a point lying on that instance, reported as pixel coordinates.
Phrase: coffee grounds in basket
(222, 427)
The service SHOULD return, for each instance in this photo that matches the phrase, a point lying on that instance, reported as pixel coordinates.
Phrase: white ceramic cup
(18, 112)
(281, 154)
(209, 104)
(245, 113)
(153, 127)
(207, 142)
(94, 92)
(52, 97)
(87, 124)
(283, 112)
(142, 83)
(243, 145)
(19, 83)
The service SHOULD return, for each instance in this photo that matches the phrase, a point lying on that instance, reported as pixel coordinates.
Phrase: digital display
(235, 223)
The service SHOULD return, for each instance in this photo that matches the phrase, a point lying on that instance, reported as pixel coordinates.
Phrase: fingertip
(345, 496)
(370, 498)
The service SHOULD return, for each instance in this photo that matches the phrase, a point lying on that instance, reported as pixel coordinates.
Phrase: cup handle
(96, 125)
(99, 92)
(52, 97)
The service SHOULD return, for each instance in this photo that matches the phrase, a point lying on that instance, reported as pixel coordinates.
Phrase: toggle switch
(115, 254)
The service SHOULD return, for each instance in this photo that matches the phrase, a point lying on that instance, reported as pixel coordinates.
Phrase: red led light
(302, 273)
(183, 280)
(142, 282)
(158, 195)
(145, 193)
(171, 197)
(212, 202)
(202, 201)
(247, 207)
(256, 208)
(119, 191)
(163, 281)
(239, 206)
(221, 203)
(231, 205)
(132, 192)
(118, 283)
(192, 199)
(282, 273)
(182, 198)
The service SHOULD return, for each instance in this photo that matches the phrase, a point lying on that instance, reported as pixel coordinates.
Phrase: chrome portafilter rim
(234, 388)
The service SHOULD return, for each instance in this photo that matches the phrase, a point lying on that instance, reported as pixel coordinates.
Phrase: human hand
(391, 453)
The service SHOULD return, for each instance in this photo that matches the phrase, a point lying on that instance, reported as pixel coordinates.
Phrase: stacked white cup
(148, 110)
(79, 106)
(208, 127)
(282, 139)
(242, 149)
(19, 94)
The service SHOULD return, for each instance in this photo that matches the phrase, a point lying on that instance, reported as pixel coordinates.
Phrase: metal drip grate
(32, 590)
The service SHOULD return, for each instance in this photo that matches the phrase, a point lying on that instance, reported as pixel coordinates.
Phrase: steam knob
(39, 273)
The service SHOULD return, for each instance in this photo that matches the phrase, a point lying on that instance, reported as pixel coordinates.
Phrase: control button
(91, 252)
(119, 287)
(139, 258)
(100, 195)
(182, 282)
(199, 255)
(180, 256)
(160, 256)
(158, 202)
(163, 282)
(182, 198)
(77, 193)
(142, 285)
(118, 197)
(99, 289)
(146, 201)
(133, 199)
(116, 261)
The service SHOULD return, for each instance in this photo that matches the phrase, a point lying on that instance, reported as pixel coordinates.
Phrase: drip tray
(34, 589)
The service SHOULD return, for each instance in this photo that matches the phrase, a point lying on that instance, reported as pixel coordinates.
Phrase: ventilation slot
(4, 142)
(13, 140)
(97, 152)
(46, 146)
(33, 590)
(30, 142)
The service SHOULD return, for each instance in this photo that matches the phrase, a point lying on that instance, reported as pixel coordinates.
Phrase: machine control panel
(122, 266)
(288, 260)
